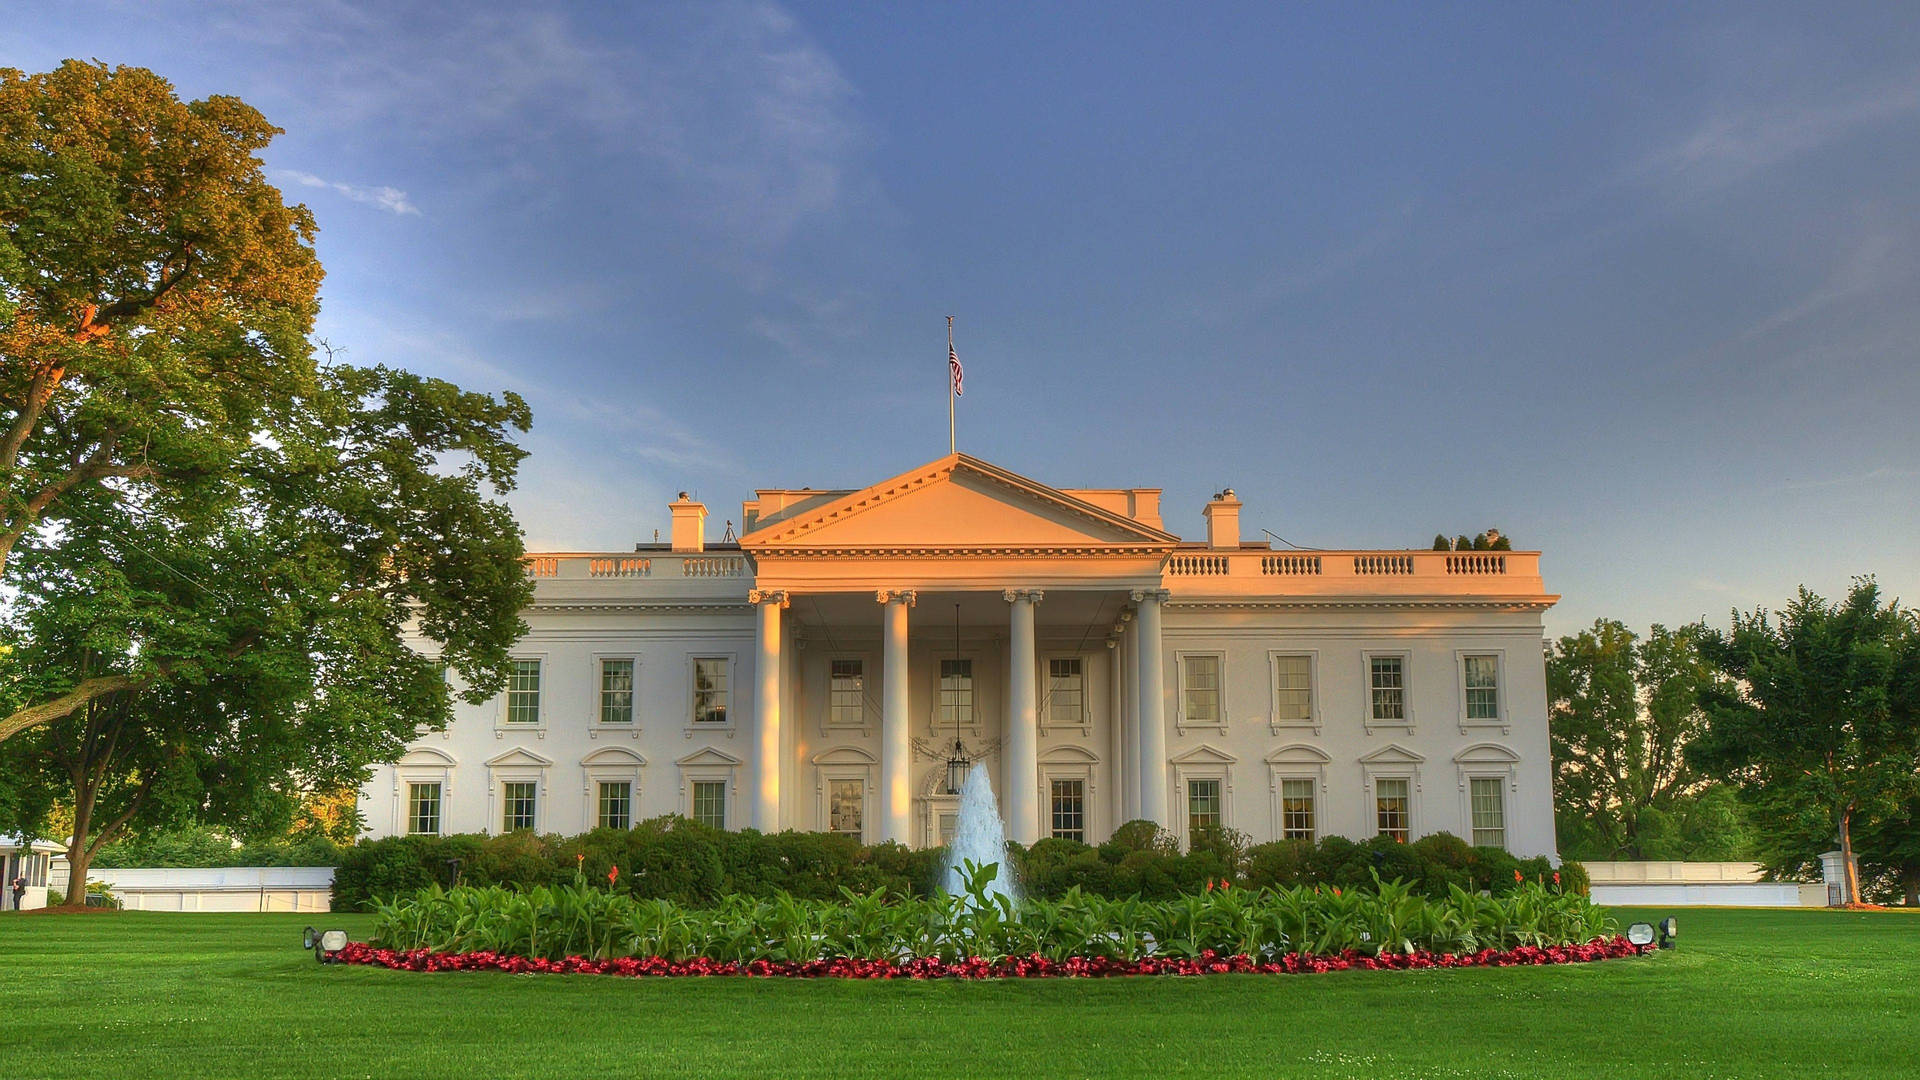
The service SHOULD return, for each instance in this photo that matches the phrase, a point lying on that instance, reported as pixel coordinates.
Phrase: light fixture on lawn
(1669, 932)
(1640, 934)
(325, 944)
(453, 871)
(958, 763)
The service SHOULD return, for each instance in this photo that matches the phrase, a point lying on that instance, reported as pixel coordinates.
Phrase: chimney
(689, 524)
(1223, 521)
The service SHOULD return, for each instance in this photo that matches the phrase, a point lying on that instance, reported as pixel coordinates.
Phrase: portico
(1021, 570)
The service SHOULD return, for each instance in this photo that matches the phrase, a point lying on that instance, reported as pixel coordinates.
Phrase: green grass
(1748, 994)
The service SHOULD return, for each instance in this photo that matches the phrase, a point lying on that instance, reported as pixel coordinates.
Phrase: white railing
(1289, 564)
(1194, 565)
(1369, 565)
(705, 566)
(1478, 562)
(620, 566)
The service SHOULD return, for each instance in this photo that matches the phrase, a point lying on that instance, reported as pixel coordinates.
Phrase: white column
(768, 756)
(1131, 717)
(1118, 777)
(896, 798)
(1023, 721)
(1153, 711)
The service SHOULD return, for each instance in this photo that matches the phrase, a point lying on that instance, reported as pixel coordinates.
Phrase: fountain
(979, 838)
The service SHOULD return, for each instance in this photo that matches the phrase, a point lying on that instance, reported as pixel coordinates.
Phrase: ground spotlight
(326, 944)
(1640, 934)
(1669, 932)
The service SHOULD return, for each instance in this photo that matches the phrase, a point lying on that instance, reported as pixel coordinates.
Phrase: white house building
(818, 674)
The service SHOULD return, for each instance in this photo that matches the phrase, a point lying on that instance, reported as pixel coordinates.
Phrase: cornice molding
(1298, 602)
(932, 551)
(695, 607)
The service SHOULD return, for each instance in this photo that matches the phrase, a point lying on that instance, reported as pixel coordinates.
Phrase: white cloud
(390, 199)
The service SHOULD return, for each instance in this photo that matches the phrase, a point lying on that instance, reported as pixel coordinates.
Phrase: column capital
(769, 596)
(1030, 595)
(1158, 596)
(908, 597)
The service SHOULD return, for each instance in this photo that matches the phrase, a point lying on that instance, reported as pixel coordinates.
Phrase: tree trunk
(79, 858)
(1910, 879)
(1849, 873)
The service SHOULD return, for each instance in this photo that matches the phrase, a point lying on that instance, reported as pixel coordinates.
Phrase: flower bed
(979, 933)
(979, 967)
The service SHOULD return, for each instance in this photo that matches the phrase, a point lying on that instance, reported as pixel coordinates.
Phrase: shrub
(673, 858)
(601, 923)
(1440, 542)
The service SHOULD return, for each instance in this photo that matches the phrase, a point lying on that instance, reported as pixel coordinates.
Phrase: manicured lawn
(1748, 994)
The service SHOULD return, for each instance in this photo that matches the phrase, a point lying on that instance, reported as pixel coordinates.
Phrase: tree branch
(88, 689)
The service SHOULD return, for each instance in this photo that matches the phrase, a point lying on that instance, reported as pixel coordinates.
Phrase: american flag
(954, 370)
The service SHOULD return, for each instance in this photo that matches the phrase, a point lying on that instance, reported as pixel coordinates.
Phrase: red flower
(1209, 884)
(612, 873)
(1556, 877)
(1518, 878)
(579, 858)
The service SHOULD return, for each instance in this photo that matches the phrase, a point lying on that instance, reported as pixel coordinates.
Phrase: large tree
(156, 295)
(1817, 714)
(262, 643)
(1621, 711)
(215, 551)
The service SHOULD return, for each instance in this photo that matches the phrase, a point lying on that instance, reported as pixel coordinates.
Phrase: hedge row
(672, 858)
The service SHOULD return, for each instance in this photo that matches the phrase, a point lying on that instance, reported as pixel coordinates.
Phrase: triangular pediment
(1392, 754)
(956, 502)
(521, 758)
(707, 755)
(1204, 754)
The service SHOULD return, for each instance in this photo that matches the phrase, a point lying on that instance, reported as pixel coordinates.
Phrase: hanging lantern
(957, 766)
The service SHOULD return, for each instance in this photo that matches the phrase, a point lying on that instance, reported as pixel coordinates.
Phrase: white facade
(1104, 671)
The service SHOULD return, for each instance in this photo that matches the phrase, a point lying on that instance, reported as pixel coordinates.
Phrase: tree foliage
(1816, 713)
(1622, 711)
(220, 554)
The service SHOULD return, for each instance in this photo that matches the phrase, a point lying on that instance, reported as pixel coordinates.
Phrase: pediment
(1392, 754)
(1487, 754)
(845, 755)
(427, 757)
(614, 756)
(521, 758)
(707, 755)
(1298, 754)
(1204, 754)
(955, 502)
(1069, 754)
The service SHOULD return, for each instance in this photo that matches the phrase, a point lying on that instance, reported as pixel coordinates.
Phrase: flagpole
(950, 437)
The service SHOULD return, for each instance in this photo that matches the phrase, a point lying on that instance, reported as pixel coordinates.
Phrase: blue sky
(1639, 286)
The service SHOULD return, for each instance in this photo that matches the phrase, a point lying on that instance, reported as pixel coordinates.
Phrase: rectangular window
(1389, 686)
(1203, 805)
(956, 692)
(710, 803)
(710, 681)
(616, 804)
(423, 809)
(847, 704)
(949, 824)
(1296, 809)
(616, 691)
(1070, 809)
(523, 693)
(846, 807)
(1066, 691)
(1489, 812)
(1292, 688)
(1483, 687)
(517, 802)
(1390, 806)
(1200, 689)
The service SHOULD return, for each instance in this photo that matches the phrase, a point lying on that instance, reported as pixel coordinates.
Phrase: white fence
(229, 888)
(1696, 884)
